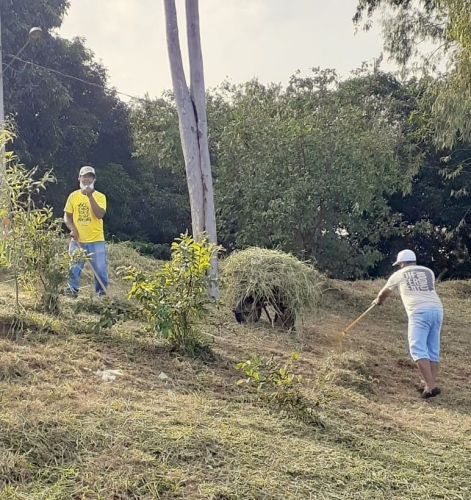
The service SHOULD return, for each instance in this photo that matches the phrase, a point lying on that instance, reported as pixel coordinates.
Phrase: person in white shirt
(416, 285)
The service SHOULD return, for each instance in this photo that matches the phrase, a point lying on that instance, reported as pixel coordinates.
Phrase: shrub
(156, 250)
(31, 246)
(278, 386)
(176, 296)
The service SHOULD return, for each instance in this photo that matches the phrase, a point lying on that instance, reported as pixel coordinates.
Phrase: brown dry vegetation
(66, 434)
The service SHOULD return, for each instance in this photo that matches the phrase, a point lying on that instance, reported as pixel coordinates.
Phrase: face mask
(83, 186)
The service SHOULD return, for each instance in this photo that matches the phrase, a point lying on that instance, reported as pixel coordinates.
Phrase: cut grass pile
(271, 276)
(65, 434)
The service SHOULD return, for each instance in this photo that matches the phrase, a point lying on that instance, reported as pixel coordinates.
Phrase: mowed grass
(67, 434)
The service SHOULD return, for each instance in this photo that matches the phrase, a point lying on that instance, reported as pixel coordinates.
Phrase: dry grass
(271, 276)
(67, 435)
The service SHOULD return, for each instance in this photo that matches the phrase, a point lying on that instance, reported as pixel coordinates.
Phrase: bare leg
(425, 370)
(434, 368)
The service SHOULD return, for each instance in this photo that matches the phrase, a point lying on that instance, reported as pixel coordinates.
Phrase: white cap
(87, 170)
(405, 256)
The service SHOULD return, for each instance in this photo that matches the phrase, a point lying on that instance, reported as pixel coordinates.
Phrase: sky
(241, 39)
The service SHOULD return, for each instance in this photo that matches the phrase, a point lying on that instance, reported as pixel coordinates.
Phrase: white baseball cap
(405, 256)
(87, 170)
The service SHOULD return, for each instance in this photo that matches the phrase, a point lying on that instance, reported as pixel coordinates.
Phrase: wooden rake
(342, 334)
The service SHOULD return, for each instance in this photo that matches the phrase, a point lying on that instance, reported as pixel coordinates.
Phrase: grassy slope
(66, 434)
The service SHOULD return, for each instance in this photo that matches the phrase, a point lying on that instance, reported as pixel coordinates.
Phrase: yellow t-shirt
(89, 227)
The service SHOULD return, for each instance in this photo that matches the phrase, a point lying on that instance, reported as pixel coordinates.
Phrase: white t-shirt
(416, 284)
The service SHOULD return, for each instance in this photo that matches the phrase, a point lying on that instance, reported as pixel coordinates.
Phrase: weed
(279, 386)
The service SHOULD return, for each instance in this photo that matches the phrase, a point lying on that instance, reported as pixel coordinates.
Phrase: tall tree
(192, 118)
(65, 114)
(310, 168)
(445, 23)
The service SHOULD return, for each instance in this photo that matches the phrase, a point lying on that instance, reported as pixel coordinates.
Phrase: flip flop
(432, 393)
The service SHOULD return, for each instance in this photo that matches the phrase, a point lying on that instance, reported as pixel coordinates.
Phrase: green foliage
(175, 297)
(279, 386)
(159, 252)
(45, 266)
(445, 25)
(433, 217)
(157, 145)
(293, 162)
(317, 169)
(30, 246)
(110, 311)
(64, 122)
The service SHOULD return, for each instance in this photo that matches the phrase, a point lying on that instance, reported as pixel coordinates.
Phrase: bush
(155, 250)
(176, 296)
(31, 246)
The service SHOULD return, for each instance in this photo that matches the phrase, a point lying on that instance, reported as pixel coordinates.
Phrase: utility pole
(2, 105)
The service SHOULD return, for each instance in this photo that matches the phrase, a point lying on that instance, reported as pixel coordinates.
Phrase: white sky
(242, 39)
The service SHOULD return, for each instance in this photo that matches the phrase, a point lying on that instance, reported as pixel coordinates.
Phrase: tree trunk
(197, 93)
(193, 123)
(187, 120)
(198, 97)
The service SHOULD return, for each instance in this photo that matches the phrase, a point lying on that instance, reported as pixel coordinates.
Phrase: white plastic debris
(108, 375)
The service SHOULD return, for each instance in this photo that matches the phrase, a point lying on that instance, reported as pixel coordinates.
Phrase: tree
(445, 23)
(438, 210)
(292, 164)
(158, 149)
(66, 115)
(192, 118)
(433, 217)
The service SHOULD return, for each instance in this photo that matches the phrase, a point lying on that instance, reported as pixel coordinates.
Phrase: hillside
(67, 434)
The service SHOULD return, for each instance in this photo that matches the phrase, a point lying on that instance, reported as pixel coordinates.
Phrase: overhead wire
(13, 58)
(92, 84)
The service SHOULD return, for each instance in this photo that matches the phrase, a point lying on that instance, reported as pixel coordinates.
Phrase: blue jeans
(97, 254)
(424, 334)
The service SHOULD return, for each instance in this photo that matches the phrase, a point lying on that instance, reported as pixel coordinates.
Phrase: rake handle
(93, 270)
(349, 327)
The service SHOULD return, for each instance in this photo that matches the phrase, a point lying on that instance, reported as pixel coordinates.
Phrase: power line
(13, 58)
(92, 84)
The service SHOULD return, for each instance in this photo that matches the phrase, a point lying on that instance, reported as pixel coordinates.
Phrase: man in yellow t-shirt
(83, 215)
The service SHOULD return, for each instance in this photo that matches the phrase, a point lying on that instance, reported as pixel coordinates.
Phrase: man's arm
(383, 295)
(96, 209)
(387, 289)
(69, 222)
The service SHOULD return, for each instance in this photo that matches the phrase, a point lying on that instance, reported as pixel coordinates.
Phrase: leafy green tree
(65, 115)
(293, 162)
(162, 169)
(446, 24)
(434, 217)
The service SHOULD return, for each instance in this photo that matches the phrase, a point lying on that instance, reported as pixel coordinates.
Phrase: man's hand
(74, 234)
(88, 191)
(382, 296)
